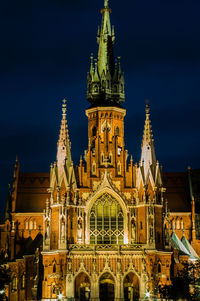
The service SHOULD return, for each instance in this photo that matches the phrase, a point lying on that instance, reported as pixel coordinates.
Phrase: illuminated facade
(103, 230)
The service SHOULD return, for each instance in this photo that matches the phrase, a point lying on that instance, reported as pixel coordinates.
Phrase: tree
(185, 285)
(4, 275)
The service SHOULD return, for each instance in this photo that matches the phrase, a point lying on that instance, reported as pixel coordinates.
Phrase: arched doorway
(82, 287)
(106, 287)
(131, 287)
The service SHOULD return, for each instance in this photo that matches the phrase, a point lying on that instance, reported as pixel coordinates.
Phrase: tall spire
(148, 156)
(147, 135)
(105, 40)
(64, 144)
(105, 85)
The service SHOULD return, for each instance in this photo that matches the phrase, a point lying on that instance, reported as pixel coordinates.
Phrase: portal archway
(131, 287)
(82, 287)
(106, 287)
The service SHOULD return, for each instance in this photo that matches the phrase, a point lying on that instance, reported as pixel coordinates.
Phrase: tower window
(117, 131)
(54, 268)
(94, 168)
(119, 149)
(159, 267)
(94, 131)
(141, 225)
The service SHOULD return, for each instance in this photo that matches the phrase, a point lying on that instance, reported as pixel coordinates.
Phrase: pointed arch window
(102, 158)
(31, 225)
(35, 225)
(182, 224)
(54, 268)
(159, 267)
(94, 168)
(23, 281)
(178, 224)
(117, 131)
(106, 221)
(14, 283)
(94, 131)
(26, 225)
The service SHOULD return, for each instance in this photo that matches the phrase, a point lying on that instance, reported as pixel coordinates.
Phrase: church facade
(108, 229)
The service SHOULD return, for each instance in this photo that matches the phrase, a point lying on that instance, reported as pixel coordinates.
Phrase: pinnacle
(64, 108)
(147, 136)
(64, 145)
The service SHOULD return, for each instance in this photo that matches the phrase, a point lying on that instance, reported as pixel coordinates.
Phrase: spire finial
(147, 106)
(105, 3)
(64, 108)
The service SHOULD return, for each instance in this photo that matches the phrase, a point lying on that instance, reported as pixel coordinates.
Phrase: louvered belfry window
(106, 221)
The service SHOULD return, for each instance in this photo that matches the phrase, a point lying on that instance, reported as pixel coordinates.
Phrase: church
(109, 228)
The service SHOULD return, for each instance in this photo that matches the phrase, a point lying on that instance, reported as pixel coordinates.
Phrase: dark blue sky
(45, 55)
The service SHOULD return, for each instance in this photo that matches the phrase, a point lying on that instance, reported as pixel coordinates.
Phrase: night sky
(45, 56)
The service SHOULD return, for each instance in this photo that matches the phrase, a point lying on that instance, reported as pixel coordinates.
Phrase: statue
(48, 230)
(133, 231)
(79, 232)
(63, 230)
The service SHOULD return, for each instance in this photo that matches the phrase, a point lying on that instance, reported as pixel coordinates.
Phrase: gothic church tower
(103, 226)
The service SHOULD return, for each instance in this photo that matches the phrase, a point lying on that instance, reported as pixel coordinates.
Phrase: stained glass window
(106, 221)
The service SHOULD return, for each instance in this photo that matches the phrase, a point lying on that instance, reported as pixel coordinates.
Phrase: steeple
(148, 156)
(105, 82)
(64, 144)
(148, 166)
(63, 167)
(105, 39)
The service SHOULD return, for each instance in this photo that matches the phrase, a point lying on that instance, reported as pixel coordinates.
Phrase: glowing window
(94, 168)
(35, 225)
(26, 225)
(31, 225)
(106, 221)
(14, 283)
(117, 131)
(23, 281)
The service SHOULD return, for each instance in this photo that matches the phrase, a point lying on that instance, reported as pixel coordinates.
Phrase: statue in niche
(151, 234)
(133, 231)
(79, 231)
(144, 267)
(150, 210)
(150, 230)
(48, 230)
(69, 265)
(94, 265)
(119, 268)
(63, 230)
